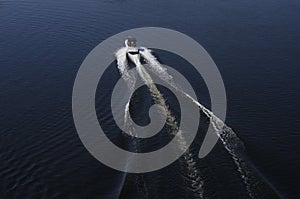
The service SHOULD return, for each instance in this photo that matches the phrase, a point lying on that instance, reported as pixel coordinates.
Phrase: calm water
(255, 44)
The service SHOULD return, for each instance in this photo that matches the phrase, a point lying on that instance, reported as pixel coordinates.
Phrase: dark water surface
(255, 45)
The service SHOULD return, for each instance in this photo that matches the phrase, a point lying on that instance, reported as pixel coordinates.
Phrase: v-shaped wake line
(228, 137)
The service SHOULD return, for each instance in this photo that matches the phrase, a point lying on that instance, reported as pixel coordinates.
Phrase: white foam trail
(196, 182)
(123, 68)
(228, 137)
(130, 80)
(156, 67)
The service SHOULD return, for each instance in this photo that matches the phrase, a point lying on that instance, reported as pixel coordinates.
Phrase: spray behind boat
(228, 137)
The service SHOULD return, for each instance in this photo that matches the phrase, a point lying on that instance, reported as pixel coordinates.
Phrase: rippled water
(42, 44)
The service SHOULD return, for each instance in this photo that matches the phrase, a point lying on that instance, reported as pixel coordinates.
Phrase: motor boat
(133, 52)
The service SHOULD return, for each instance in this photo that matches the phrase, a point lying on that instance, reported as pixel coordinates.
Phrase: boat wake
(228, 137)
(196, 183)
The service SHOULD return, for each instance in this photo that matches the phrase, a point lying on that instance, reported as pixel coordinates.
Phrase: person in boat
(130, 43)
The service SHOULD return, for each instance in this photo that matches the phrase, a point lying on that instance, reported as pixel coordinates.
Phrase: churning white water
(228, 137)
(195, 181)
